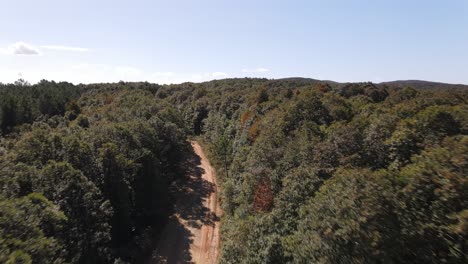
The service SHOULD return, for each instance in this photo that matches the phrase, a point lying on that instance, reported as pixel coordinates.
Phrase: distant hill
(305, 80)
(417, 84)
(425, 85)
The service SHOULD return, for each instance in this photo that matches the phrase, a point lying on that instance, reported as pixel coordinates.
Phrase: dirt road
(192, 233)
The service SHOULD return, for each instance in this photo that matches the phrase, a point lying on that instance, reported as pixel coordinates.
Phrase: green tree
(433, 204)
(28, 226)
(350, 220)
(82, 202)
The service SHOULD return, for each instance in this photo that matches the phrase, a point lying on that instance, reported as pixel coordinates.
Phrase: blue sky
(176, 41)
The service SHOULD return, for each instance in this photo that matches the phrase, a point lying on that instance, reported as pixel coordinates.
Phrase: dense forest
(86, 182)
(310, 171)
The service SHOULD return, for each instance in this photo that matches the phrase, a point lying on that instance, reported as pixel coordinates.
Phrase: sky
(90, 41)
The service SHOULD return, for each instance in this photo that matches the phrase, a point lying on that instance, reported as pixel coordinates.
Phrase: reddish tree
(254, 131)
(263, 196)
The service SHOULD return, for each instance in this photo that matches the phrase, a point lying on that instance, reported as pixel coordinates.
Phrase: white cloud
(256, 70)
(127, 71)
(20, 48)
(219, 74)
(163, 74)
(64, 48)
(23, 48)
(98, 73)
(180, 77)
(74, 73)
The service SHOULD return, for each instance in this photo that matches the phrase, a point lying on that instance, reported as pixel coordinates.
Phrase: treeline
(318, 172)
(22, 103)
(88, 180)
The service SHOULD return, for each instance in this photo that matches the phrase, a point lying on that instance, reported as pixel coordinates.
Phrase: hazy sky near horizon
(176, 41)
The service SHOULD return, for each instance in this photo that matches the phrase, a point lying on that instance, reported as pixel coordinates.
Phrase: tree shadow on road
(193, 193)
(170, 250)
(189, 193)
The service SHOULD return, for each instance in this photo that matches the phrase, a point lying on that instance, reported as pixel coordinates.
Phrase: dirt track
(192, 233)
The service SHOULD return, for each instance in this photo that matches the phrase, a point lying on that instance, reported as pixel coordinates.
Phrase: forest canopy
(310, 171)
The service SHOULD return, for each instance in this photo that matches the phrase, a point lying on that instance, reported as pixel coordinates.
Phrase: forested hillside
(310, 171)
